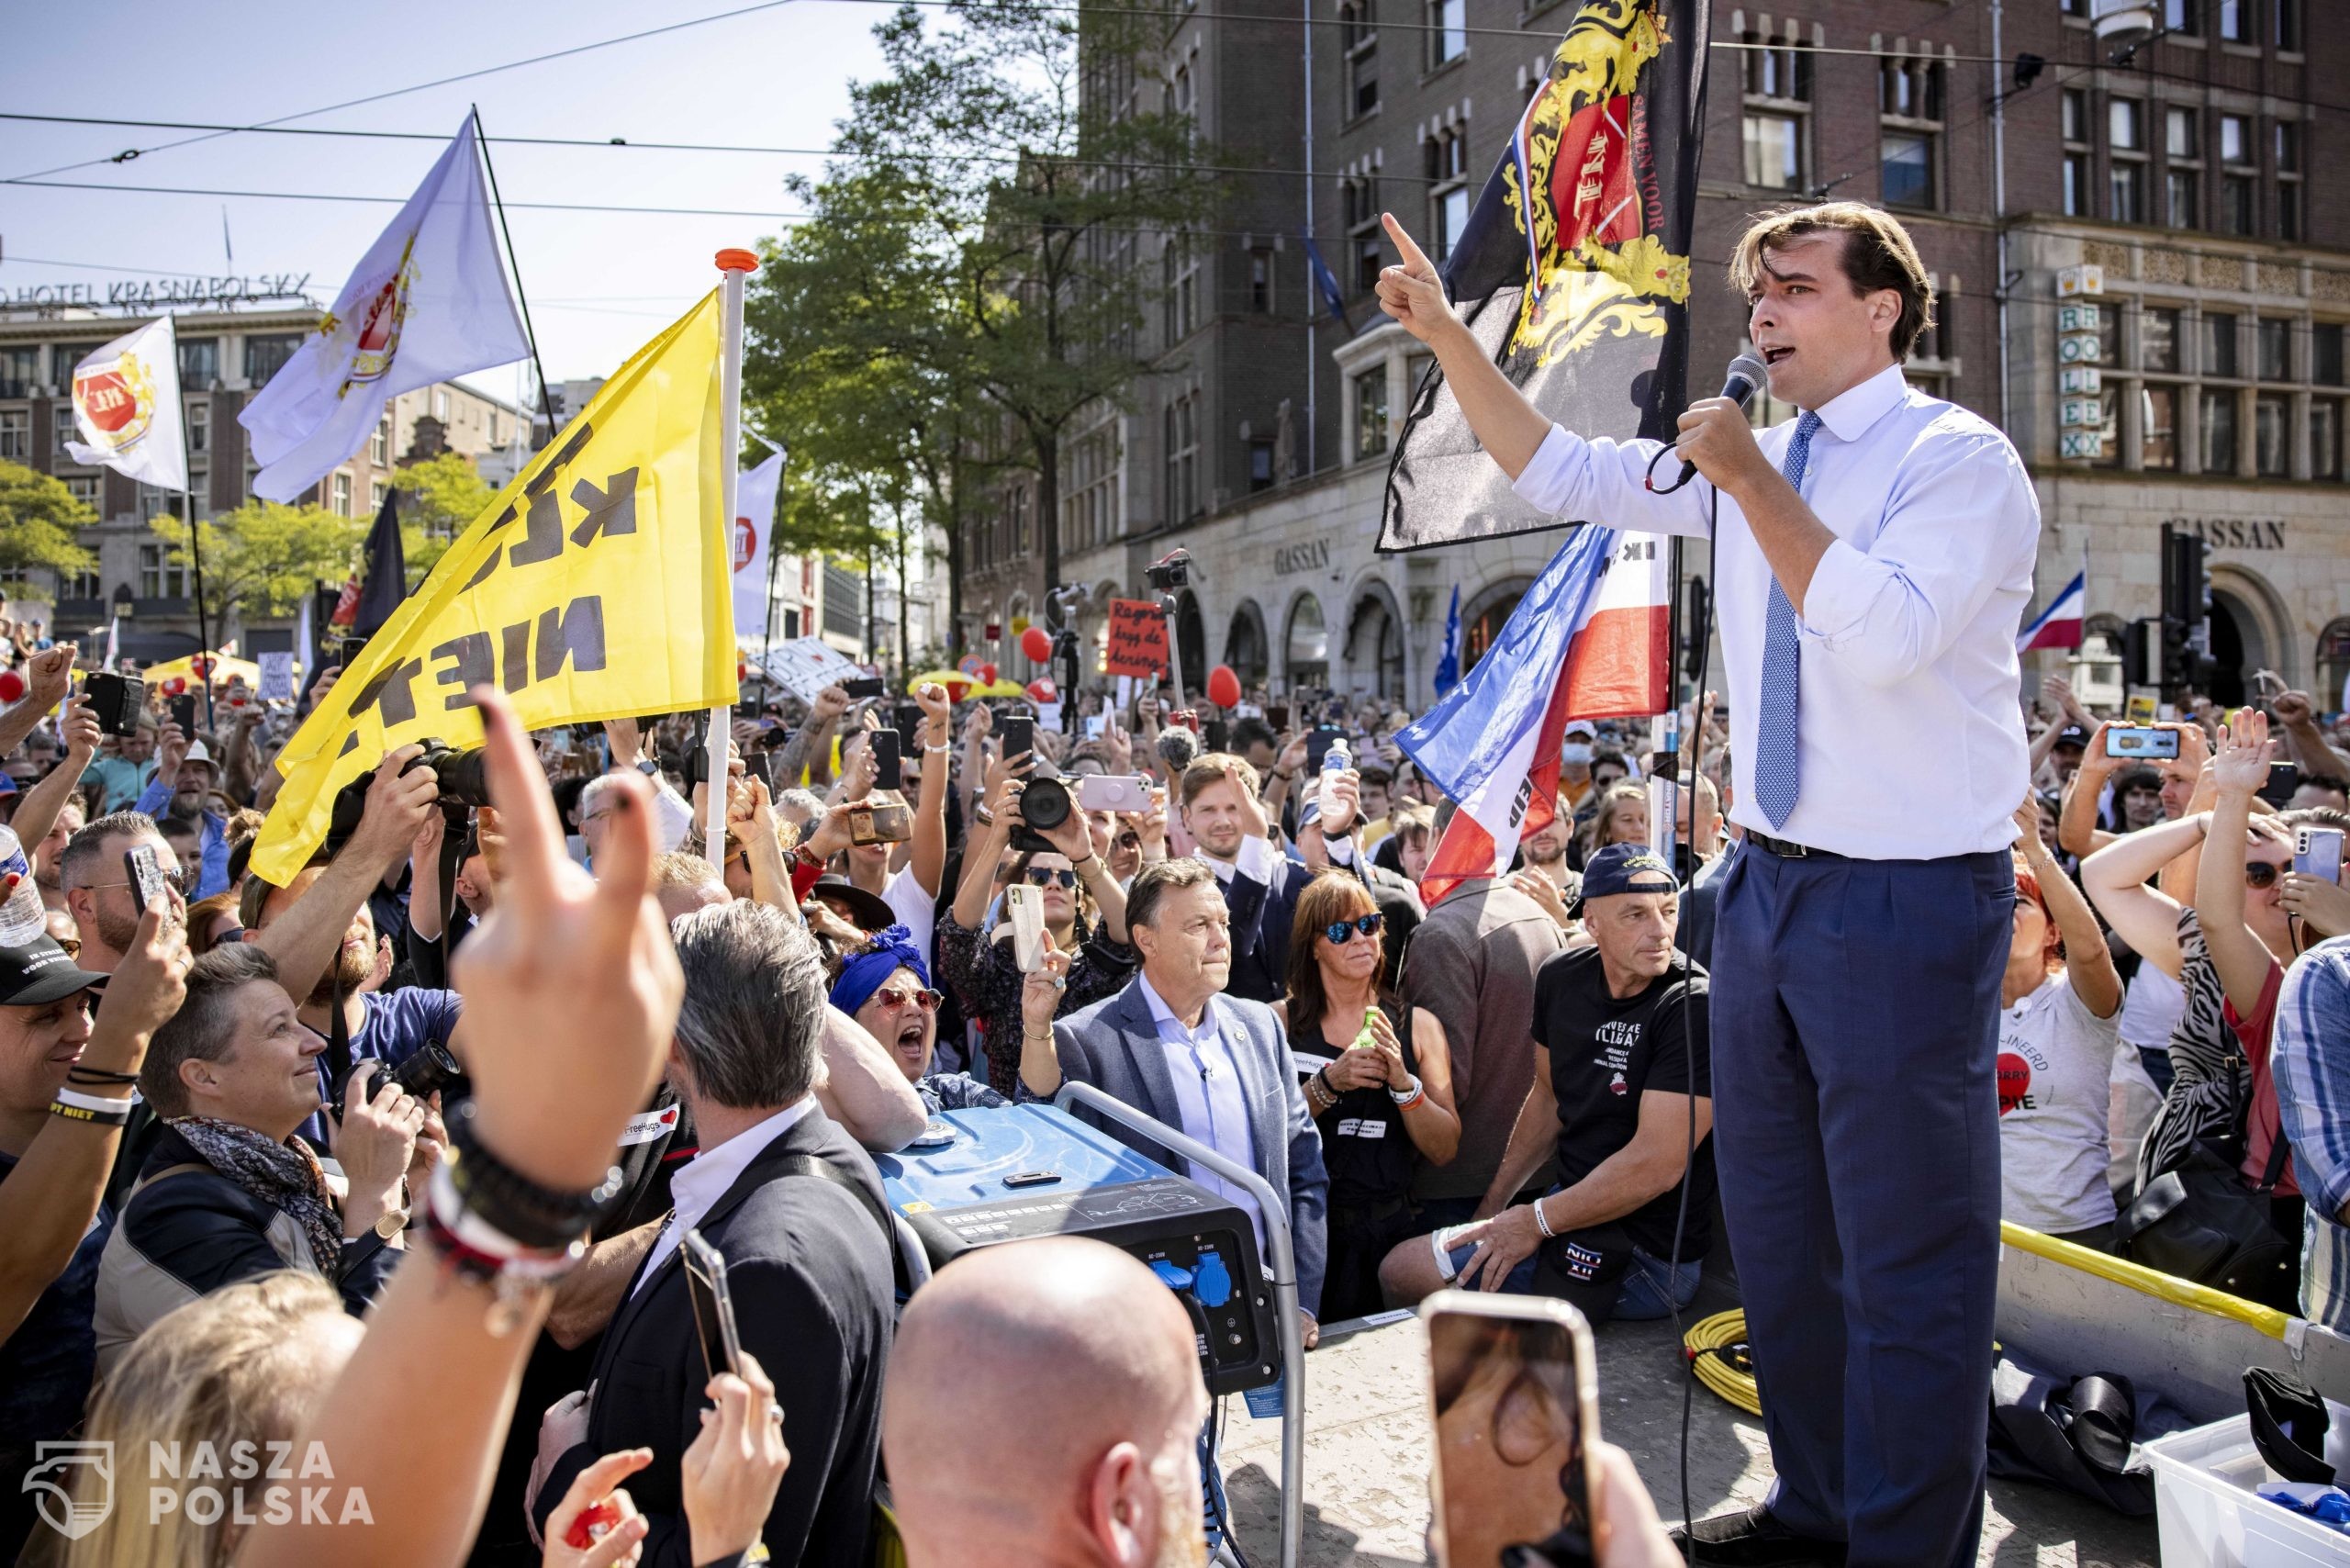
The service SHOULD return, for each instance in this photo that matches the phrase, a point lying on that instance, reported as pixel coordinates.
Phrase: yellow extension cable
(1714, 1363)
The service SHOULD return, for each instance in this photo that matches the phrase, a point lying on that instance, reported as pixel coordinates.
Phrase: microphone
(1746, 373)
(1177, 747)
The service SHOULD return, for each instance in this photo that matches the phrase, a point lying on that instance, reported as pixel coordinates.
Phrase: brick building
(225, 357)
(2204, 386)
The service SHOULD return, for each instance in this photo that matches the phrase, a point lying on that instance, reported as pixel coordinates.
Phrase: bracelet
(80, 1074)
(105, 1104)
(1542, 1222)
(470, 1249)
(1410, 1097)
(120, 1118)
(937, 750)
(510, 1201)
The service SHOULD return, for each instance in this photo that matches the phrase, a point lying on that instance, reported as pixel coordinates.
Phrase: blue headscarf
(861, 976)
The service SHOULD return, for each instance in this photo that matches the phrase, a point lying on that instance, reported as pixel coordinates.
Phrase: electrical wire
(401, 201)
(1719, 1358)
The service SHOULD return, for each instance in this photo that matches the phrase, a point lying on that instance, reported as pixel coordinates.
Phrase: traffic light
(2187, 664)
(2141, 647)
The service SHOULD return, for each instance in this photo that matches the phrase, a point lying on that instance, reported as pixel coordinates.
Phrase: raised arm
(2305, 742)
(36, 812)
(2087, 960)
(807, 752)
(2240, 958)
(304, 939)
(936, 738)
(984, 850)
(2115, 878)
(48, 675)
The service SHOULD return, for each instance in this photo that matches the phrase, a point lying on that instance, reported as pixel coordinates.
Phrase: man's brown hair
(1878, 253)
(1205, 772)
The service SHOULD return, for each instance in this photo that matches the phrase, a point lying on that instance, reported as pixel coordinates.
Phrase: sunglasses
(1130, 841)
(173, 875)
(1342, 932)
(895, 997)
(2261, 874)
(1044, 877)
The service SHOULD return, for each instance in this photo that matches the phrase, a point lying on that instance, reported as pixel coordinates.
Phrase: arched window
(1479, 634)
(2333, 691)
(1308, 643)
(1244, 644)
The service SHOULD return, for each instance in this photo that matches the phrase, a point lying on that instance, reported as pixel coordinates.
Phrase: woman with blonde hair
(1621, 817)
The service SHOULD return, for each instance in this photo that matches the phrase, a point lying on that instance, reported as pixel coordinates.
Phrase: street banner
(1572, 270)
(1588, 641)
(1137, 644)
(126, 406)
(429, 302)
(596, 586)
(752, 537)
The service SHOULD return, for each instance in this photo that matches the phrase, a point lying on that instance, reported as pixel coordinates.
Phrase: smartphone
(887, 760)
(2317, 852)
(348, 651)
(907, 721)
(144, 870)
(1113, 793)
(1018, 733)
(1318, 742)
(1024, 906)
(184, 715)
(722, 1344)
(760, 765)
(116, 701)
(864, 689)
(2141, 741)
(697, 757)
(2284, 777)
(1514, 1397)
(1277, 715)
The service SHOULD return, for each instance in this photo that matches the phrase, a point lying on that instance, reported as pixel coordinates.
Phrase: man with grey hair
(795, 1209)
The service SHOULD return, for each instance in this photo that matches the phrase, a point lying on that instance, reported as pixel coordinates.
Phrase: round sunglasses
(2261, 873)
(895, 997)
(1342, 932)
(1044, 877)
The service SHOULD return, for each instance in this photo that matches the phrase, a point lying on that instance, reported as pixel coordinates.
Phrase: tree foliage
(38, 517)
(439, 498)
(262, 558)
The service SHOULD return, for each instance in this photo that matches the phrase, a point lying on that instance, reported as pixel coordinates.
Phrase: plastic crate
(2210, 1515)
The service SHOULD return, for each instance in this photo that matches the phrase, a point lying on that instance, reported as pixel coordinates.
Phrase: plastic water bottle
(23, 919)
(1338, 758)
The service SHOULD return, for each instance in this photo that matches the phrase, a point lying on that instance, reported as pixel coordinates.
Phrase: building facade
(225, 357)
(2204, 386)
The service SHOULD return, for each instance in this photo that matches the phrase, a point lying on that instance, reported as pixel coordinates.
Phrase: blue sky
(600, 284)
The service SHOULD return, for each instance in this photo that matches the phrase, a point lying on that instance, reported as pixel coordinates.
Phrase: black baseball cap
(40, 972)
(867, 911)
(1616, 869)
(2075, 735)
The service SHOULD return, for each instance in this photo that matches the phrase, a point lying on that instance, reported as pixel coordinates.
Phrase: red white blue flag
(2059, 625)
(1590, 640)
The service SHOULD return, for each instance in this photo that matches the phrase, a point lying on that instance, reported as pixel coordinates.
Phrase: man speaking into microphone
(1872, 561)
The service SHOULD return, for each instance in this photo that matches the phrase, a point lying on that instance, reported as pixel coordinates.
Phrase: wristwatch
(648, 766)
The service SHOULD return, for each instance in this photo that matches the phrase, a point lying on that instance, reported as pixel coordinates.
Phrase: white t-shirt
(916, 911)
(2055, 1063)
(2153, 1008)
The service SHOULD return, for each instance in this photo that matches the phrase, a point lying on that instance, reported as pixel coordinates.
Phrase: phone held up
(2317, 852)
(144, 869)
(1514, 1395)
(713, 1304)
(2142, 743)
(116, 701)
(1023, 907)
(882, 817)
(1016, 732)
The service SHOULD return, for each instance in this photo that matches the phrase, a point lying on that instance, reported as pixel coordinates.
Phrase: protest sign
(276, 678)
(805, 666)
(1137, 638)
(595, 586)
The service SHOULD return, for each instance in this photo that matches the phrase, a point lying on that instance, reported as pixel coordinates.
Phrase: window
(84, 488)
(2178, 134)
(2076, 184)
(63, 357)
(63, 429)
(20, 370)
(1358, 41)
(2289, 180)
(2273, 339)
(1183, 459)
(155, 501)
(1180, 288)
(2325, 353)
(1909, 88)
(2125, 125)
(1260, 280)
(1370, 412)
(342, 494)
(2325, 438)
(379, 445)
(2158, 338)
(1260, 466)
(2158, 427)
(158, 578)
(1774, 150)
(1452, 218)
(2219, 345)
(2218, 411)
(266, 354)
(199, 426)
(1777, 83)
(1448, 31)
(200, 363)
(440, 405)
(1447, 159)
(1909, 169)
(375, 494)
(79, 585)
(2126, 191)
(2235, 204)
(2235, 20)
(2074, 112)
(2235, 139)
(2272, 447)
(1909, 101)
(15, 433)
(2125, 135)
(2184, 16)
(2108, 430)
(2182, 198)
(2288, 20)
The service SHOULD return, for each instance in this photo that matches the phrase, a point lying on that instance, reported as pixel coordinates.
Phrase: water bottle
(1338, 759)
(23, 919)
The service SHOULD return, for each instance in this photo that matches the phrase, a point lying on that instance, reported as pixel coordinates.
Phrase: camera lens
(1044, 804)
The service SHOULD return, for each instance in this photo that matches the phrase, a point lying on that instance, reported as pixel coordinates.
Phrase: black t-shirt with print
(1604, 1053)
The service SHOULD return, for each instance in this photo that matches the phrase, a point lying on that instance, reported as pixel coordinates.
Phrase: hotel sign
(149, 293)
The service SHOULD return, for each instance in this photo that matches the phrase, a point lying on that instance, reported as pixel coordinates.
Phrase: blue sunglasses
(1342, 932)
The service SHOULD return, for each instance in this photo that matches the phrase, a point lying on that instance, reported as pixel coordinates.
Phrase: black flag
(384, 576)
(1596, 198)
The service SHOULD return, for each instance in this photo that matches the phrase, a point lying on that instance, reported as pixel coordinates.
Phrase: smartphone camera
(1514, 1403)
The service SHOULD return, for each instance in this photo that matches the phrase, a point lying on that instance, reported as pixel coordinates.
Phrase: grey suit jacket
(1114, 1046)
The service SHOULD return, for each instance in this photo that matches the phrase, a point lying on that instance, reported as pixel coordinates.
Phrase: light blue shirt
(2309, 1058)
(1208, 1094)
(1908, 627)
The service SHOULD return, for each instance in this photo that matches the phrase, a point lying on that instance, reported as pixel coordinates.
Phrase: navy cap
(1625, 868)
(2073, 736)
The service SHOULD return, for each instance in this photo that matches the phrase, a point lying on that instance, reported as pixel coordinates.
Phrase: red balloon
(741, 670)
(1223, 687)
(201, 664)
(1037, 644)
(12, 686)
(1042, 690)
(176, 687)
(987, 675)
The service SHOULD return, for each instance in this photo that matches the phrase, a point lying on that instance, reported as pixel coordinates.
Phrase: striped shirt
(2311, 1060)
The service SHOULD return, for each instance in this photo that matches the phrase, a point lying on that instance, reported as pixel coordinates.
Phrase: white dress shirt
(1256, 857)
(1909, 728)
(704, 1179)
(1213, 1105)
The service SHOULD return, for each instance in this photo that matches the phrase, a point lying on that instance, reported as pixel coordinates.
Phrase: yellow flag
(598, 585)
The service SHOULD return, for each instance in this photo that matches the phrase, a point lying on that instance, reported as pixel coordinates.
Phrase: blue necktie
(1778, 774)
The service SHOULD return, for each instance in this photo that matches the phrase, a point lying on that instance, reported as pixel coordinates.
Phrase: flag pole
(202, 632)
(733, 266)
(546, 401)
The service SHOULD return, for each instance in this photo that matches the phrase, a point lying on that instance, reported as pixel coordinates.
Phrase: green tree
(439, 498)
(38, 517)
(263, 557)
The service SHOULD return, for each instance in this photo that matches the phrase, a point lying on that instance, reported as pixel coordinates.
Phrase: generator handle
(1274, 1208)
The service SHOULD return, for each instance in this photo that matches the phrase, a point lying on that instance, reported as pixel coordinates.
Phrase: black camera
(463, 777)
(1044, 804)
(1169, 572)
(430, 1070)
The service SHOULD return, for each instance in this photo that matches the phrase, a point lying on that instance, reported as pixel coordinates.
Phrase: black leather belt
(1787, 849)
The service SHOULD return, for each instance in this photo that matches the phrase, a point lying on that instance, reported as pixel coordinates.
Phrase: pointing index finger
(525, 807)
(1415, 261)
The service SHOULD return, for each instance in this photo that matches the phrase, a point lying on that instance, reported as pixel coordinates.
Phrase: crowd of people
(408, 1158)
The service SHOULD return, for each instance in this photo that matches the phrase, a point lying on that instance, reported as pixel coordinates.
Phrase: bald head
(1082, 1352)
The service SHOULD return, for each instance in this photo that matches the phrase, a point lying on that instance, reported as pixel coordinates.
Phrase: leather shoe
(1752, 1539)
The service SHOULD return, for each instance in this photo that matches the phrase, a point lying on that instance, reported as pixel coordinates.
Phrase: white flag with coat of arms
(752, 537)
(428, 303)
(126, 406)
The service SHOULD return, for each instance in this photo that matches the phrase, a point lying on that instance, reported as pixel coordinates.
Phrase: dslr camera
(464, 783)
(1044, 803)
(1171, 571)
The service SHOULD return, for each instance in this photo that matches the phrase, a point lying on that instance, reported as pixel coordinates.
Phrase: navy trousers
(1855, 1009)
